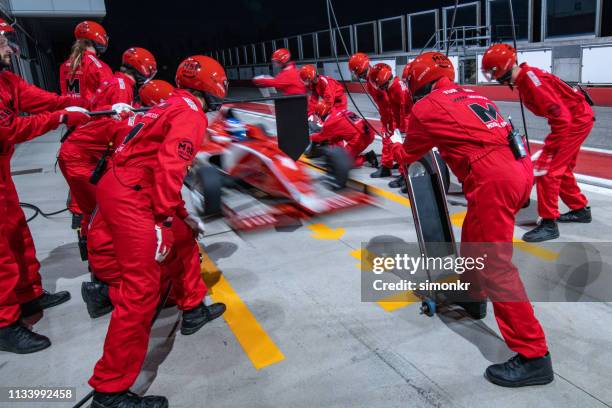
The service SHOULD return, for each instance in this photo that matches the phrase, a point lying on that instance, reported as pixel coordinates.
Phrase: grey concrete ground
(305, 294)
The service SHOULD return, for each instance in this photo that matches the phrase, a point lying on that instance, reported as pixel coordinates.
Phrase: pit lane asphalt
(305, 294)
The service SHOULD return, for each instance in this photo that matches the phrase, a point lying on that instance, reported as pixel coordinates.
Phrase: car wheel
(338, 165)
(207, 186)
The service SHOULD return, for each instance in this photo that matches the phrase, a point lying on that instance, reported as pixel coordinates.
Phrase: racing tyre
(208, 185)
(445, 172)
(338, 165)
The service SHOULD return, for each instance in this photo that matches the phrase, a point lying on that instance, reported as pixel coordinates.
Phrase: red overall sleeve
(558, 115)
(182, 139)
(329, 131)
(281, 80)
(32, 99)
(312, 101)
(18, 129)
(416, 144)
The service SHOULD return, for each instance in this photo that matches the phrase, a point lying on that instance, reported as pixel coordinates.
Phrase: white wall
(331, 69)
(58, 8)
(597, 65)
(261, 70)
(246, 72)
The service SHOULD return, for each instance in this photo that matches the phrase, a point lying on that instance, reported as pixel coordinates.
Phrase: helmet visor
(489, 74)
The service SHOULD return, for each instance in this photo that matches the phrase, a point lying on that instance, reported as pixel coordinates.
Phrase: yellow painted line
(458, 218)
(322, 231)
(390, 303)
(258, 346)
(536, 250)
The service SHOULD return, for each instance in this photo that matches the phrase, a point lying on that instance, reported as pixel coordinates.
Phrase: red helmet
(427, 68)
(281, 56)
(497, 61)
(406, 70)
(140, 60)
(322, 108)
(155, 91)
(380, 76)
(308, 73)
(206, 75)
(92, 31)
(5, 27)
(359, 64)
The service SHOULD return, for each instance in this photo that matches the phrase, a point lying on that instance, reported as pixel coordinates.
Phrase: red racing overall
(571, 119)
(19, 269)
(344, 128)
(286, 81)
(471, 136)
(399, 105)
(80, 152)
(330, 91)
(83, 82)
(143, 187)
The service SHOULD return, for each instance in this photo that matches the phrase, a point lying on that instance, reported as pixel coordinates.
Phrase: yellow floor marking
(536, 250)
(254, 340)
(390, 303)
(322, 231)
(458, 218)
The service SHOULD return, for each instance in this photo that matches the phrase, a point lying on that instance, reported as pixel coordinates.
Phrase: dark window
(294, 48)
(365, 35)
(343, 34)
(324, 44)
(606, 19)
(259, 54)
(248, 54)
(391, 38)
(570, 17)
(279, 44)
(466, 17)
(423, 30)
(308, 46)
(501, 24)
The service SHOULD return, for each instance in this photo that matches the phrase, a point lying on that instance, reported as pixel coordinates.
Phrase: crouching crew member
(497, 176)
(322, 87)
(344, 128)
(570, 118)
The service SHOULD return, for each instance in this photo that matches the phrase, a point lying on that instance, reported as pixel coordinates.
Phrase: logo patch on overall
(185, 150)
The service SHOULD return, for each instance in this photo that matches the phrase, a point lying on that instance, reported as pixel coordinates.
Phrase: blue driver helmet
(236, 129)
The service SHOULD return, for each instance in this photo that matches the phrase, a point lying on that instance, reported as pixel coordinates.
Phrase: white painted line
(585, 148)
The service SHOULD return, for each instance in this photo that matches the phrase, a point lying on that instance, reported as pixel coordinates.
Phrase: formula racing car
(244, 157)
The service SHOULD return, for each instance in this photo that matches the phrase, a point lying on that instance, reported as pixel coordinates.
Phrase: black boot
(381, 172)
(95, 296)
(397, 182)
(21, 340)
(521, 371)
(371, 158)
(194, 319)
(582, 215)
(546, 231)
(127, 399)
(44, 301)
